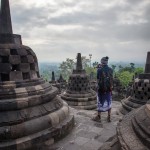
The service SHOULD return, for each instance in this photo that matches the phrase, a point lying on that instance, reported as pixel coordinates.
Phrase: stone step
(79, 99)
(80, 94)
(86, 103)
(88, 107)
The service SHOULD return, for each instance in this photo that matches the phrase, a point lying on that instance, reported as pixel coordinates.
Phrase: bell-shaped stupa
(79, 93)
(141, 90)
(30, 110)
(133, 132)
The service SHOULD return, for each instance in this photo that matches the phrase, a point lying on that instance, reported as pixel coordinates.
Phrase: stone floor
(88, 134)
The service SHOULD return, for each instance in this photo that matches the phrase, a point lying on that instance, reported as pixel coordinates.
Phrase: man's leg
(109, 114)
(99, 115)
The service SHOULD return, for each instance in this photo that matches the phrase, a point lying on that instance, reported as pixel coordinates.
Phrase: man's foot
(97, 118)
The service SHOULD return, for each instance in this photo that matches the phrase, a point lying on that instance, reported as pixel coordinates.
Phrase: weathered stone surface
(88, 134)
(31, 113)
(133, 131)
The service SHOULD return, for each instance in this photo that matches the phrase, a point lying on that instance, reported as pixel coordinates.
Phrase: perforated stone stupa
(141, 90)
(79, 93)
(61, 84)
(30, 110)
(117, 93)
(134, 132)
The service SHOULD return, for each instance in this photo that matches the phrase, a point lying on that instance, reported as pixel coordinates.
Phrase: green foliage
(132, 67)
(125, 74)
(85, 62)
(95, 64)
(125, 77)
(113, 68)
(138, 70)
(91, 70)
(68, 65)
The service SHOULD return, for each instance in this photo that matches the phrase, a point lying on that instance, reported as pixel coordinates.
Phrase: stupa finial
(5, 18)
(147, 65)
(79, 62)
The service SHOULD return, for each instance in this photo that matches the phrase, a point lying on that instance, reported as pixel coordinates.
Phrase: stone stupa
(79, 93)
(117, 92)
(133, 132)
(53, 81)
(141, 90)
(30, 110)
(62, 83)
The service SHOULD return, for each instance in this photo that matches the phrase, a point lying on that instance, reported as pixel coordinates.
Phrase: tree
(66, 68)
(85, 62)
(95, 64)
(125, 74)
(125, 77)
(91, 71)
(138, 70)
(120, 68)
(113, 68)
(132, 67)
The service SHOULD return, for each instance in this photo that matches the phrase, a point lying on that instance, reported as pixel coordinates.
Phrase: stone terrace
(87, 134)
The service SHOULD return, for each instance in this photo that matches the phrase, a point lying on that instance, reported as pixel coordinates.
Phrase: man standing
(104, 92)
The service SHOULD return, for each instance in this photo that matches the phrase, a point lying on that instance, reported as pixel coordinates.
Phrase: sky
(59, 29)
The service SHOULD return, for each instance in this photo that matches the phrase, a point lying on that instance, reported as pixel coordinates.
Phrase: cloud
(118, 28)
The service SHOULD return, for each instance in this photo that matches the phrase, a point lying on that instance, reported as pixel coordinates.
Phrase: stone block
(5, 67)
(24, 67)
(36, 67)
(4, 52)
(4, 133)
(16, 76)
(61, 115)
(30, 58)
(22, 52)
(81, 140)
(34, 100)
(33, 74)
(14, 59)
(54, 118)
(22, 104)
